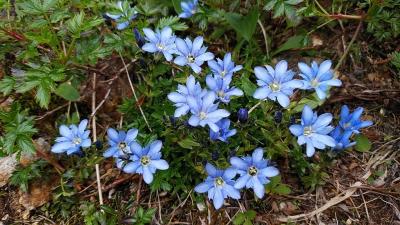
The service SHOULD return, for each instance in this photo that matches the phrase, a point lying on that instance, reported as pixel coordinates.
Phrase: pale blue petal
(160, 164)
(147, 175)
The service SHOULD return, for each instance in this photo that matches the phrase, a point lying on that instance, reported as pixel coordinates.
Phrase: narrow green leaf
(243, 25)
(293, 42)
(188, 143)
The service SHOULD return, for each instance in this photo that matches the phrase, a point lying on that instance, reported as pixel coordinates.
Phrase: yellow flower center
(77, 141)
(223, 73)
(274, 87)
(202, 115)
(160, 46)
(314, 83)
(252, 171)
(145, 160)
(221, 94)
(219, 181)
(307, 131)
(190, 59)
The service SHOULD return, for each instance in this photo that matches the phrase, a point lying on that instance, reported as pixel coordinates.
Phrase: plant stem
(134, 92)
(265, 37)
(254, 107)
(349, 45)
(94, 131)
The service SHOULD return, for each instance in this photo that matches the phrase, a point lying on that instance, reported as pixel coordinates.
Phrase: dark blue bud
(79, 153)
(243, 115)
(172, 120)
(139, 38)
(215, 155)
(204, 162)
(292, 120)
(278, 117)
(107, 19)
(99, 145)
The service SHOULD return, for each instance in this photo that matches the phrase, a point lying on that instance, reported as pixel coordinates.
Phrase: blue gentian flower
(72, 138)
(221, 87)
(189, 8)
(243, 115)
(205, 112)
(219, 185)
(319, 78)
(124, 15)
(179, 97)
(146, 160)
(276, 84)
(119, 142)
(342, 139)
(224, 133)
(191, 53)
(160, 41)
(351, 122)
(254, 172)
(224, 67)
(313, 131)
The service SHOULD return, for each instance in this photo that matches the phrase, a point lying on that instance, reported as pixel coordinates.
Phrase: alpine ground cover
(126, 112)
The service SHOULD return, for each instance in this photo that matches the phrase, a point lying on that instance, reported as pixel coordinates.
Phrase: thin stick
(254, 107)
(265, 36)
(100, 193)
(349, 45)
(134, 92)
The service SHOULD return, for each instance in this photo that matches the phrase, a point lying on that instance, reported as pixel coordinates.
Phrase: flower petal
(160, 164)
(147, 175)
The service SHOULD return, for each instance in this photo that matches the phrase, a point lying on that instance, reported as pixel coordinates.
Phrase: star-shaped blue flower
(123, 15)
(179, 98)
(160, 41)
(351, 122)
(342, 139)
(119, 142)
(189, 8)
(220, 86)
(205, 112)
(224, 133)
(72, 138)
(313, 131)
(146, 160)
(219, 185)
(254, 172)
(276, 84)
(224, 67)
(191, 53)
(319, 78)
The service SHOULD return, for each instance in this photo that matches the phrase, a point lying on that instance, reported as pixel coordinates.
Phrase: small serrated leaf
(67, 92)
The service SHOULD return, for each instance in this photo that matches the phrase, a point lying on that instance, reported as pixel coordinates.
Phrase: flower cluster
(123, 14)
(188, 53)
(131, 157)
(278, 84)
(316, 132)
(349, 124)
(201, 103)
(254, 172)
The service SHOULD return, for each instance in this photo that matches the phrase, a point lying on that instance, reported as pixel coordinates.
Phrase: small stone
(7, 167)
(39, 194)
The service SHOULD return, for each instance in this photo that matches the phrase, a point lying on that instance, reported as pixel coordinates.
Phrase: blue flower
(224, 133)
(219, 185)
(313, 131)
(254, 172)
(119, 142)
(123, 15)
(319, 77)
(221, 88)
(342, 139)
(351, 122)
(146, 160)
(224, 67)
(191, 53)
(160, 41)
(276, 84)
(72, 139)
(179, 97)
(205, 112)
(189, 8)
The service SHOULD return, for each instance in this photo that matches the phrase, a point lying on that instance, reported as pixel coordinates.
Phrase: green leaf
(188, 143)
(43, 94)
(67, 92)
(296, 41)
(7, 85)
(243, 25)
(362, 143)
(247, 86)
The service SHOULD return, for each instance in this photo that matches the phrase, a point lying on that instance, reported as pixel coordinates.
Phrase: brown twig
(118, 182)
(50, 160)
(349, 45)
